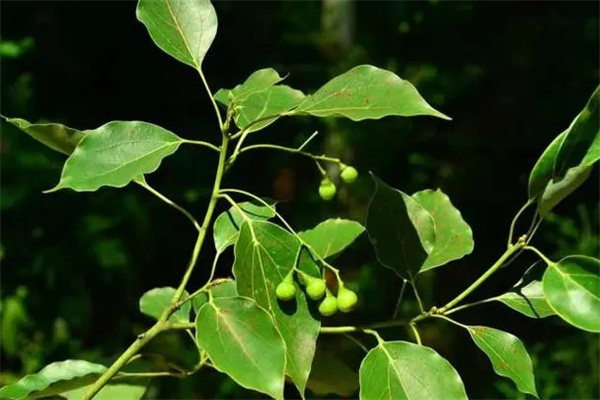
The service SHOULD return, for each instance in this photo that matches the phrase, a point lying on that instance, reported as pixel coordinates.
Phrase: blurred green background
(511, 74)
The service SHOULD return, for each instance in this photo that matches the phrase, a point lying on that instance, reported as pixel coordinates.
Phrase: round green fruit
(349, 174)
(327, 190)
(285, 291)
(328, 306)
(316, 289)
(346, 300)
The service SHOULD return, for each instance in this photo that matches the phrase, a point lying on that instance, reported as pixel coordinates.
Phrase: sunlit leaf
(227, 225)
(453, 236)
(154, 302)
(257, 82)
(367, 92)
(400, 229)
(332, 236)
(402, 370)
(572, 288)
(508, 356)
(556, 191)
(227, 288)
(541, 173)
(56, 136)
(264, 254)
(184, 29)
(111, 391)
(241, 341)
(53, 379)
(115, 154)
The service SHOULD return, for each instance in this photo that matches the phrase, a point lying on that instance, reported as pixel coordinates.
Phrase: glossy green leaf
(115, 154)
(227, 288)
(227, 225)
(541, 173)
(582, 141)
(332, 236)
(264, 254)
(529, 301)
(572, 288)
(56, 136)
(508, 356)
(111, 391)
(257, 82)
(453, 236)
(556, 192)
(400, 229)
(154, 302)
(367, 92)
(242, 341)
(402, 370)
(53, 379)
(184, 29)
(331, 375)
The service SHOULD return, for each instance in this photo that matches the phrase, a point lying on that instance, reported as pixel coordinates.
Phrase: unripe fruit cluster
(327, 188)
(316, 288)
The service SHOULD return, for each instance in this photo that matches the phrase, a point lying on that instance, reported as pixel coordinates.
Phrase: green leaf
(56, 136)
(242, 342)
(115, 154)
(527, 296)
(572, 288)
(154, 302)
(184, 29)
(264, 254)
(400, 229)
(402, 370)
(332, 236)
(111, 391)
(257, 82)
(227, 225)
(453, 236)
(556, 192)
(53, 379)
(541, 173)
(331, 375)
(227, 288)
(508, 356)
(581, 146)
(367, 92)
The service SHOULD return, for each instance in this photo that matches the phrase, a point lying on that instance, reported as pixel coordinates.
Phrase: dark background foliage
(511, 74)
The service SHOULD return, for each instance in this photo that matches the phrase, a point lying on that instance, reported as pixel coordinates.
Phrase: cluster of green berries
(327, 189)
(316, 289)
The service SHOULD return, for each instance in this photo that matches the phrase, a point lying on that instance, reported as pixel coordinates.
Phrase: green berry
(285, 291)
(349, 174)
(316, 289)
(327, 190)
(328, 306)
(346, 300)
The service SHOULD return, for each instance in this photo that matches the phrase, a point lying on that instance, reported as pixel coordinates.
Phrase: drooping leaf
(53, 379)
(453, 236)
(226, 288)
(541, 174)
(367, 92)
(400, 229)
(154, 302)
(331, 375)
(257, 82)
(572, 288)
(402, 370)
(184, 29)
(264, 254)
(508, 356)
(227, 225)
(556, 191)
(115, 154)
(56, 136)
(581, 145)
(111, 391)
(241, 341)
(332, 236)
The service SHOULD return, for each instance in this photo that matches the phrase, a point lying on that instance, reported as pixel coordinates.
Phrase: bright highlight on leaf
(402, 370)
(332, 236)
(242, 342)
(115, 154)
